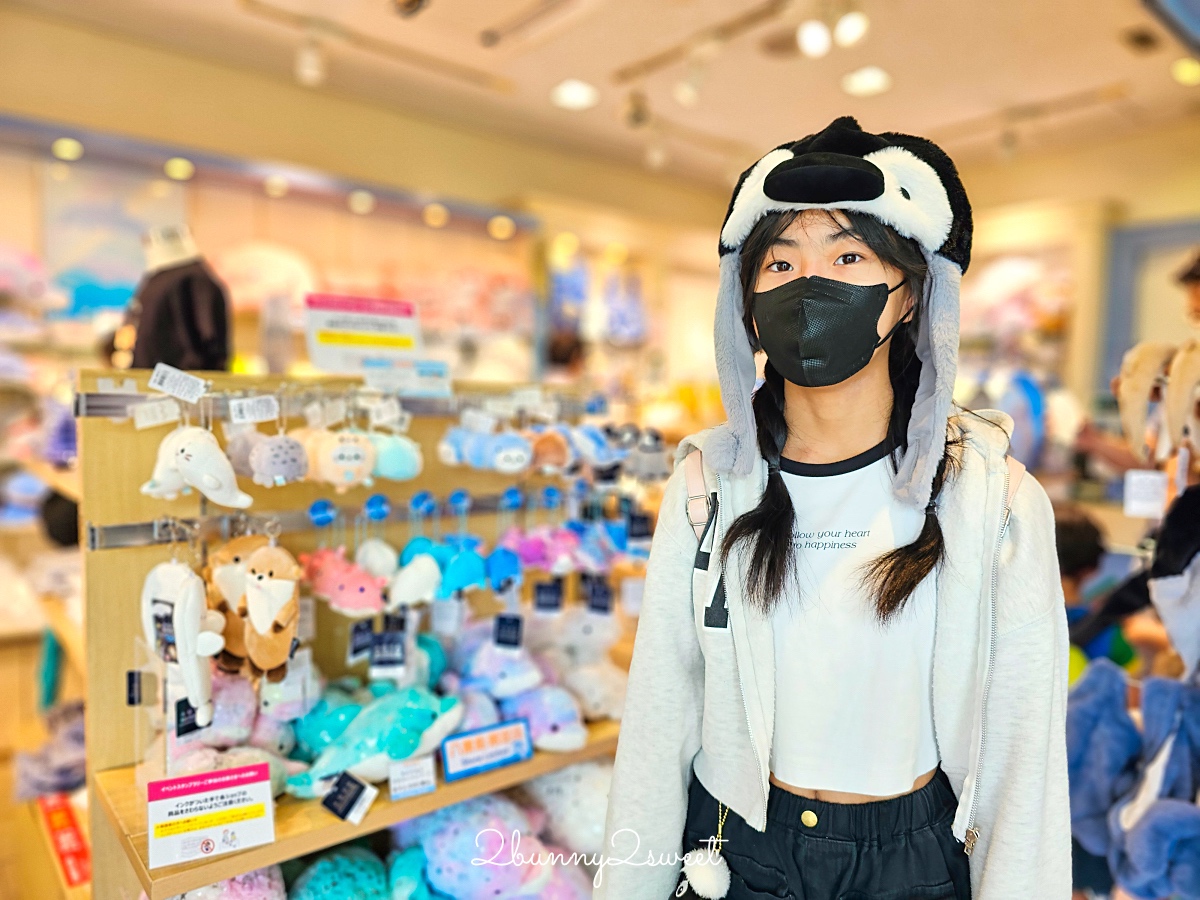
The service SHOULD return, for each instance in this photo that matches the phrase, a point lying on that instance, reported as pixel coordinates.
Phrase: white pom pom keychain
(705, 868)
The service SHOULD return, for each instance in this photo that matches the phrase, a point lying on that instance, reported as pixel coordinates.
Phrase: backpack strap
(1016, 471)
(699, 506)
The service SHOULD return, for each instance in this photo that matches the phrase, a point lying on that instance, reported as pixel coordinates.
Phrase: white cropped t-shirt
(853, 696)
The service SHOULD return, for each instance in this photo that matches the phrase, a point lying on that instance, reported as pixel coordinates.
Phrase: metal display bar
(224, 526)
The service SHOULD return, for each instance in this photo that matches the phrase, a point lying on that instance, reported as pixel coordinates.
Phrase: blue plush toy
(406, 875)
(466, 570)
(324, 723)
(397, 457)
(437, 656)
(341, 874)
(1103, 746)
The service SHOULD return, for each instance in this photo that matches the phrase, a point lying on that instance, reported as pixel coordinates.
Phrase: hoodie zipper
(972, 833)
(741, 688)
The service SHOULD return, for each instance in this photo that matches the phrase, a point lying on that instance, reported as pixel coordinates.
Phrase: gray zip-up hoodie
(701, 698)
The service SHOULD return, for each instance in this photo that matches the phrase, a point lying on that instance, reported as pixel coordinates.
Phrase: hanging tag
(314, 414)
(548, 596)
(387, 650)
(163, 612)
(597, 593)
(151, 413)
(632, 590)
(185, 718)
(477, 420)
(403, 422)
(527, 398)
(349, 798)
(362, 639)
(306, 625)
(1145, 493)
(501, 407)
(263, 408)
(411, 777)
(133, 688)
(507, 631)
(638, 542)
(446, 616)
(178, 383)
(385, 412)
(335, 411)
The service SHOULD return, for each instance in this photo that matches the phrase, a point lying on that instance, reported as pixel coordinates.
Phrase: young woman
(849, 678)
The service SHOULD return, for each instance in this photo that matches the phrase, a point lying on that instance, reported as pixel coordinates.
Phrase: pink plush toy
(234, 709)
(322, 569)
(261, 884)
(277, 737)
(356, 593)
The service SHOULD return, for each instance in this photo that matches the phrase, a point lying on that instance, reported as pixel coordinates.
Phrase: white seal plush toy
(204, 465)
(166, 482)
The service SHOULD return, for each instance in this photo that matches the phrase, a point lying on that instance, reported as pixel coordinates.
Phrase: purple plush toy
(555, 721)
(234, 709)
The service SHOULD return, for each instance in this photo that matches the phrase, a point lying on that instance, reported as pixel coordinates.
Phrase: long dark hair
(769, 528)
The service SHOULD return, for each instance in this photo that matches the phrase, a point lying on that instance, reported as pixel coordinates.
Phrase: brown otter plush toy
(225, 578)
(272, 611)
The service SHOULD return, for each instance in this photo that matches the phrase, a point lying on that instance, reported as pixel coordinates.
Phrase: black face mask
(817, 331)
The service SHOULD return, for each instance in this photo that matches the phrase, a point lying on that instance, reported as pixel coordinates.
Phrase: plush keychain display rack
(126, 534)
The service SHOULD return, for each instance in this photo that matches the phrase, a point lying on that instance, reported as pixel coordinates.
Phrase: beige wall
(61, 72)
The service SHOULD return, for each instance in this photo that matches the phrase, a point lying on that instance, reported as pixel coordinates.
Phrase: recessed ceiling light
(179, 169)
(310, 67)
(1186, 71)
(813, 38)
(275, 186)
(435, 215)
(67, 149)
(361, 202)
(851, 28)
(686, 93)
(866, 82)
(501, 227)
(575, 95)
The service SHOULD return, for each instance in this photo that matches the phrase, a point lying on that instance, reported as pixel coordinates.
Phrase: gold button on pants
(809, 818)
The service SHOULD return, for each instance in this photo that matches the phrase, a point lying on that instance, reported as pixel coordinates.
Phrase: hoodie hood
(907, 183)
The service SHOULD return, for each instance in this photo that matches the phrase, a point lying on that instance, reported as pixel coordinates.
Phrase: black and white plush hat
(905, 182)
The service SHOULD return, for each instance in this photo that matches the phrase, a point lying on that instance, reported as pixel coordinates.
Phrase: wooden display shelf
(305, 826)
(69, 634)
(67, 482)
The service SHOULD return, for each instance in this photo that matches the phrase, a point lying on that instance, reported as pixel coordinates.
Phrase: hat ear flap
(735, 449)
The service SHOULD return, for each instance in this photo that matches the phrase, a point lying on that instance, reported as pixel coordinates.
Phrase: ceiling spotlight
(574, 95)
(851, 28)
(656, 156)
(866, 82)
(813, 38)
(310, 64)
(686, 93)
(361, 202)
(1186, 70)
(275, 186)
(435, 215)
(67, 149)
(409, 8)
(179, 169)
(501, 227)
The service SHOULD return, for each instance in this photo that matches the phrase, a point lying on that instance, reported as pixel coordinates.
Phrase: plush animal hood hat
(907, 183)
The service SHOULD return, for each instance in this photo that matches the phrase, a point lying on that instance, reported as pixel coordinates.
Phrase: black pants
(899, 849)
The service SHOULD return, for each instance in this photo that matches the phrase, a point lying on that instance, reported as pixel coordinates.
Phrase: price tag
(314, 414)
(548, 596)
(163, 612)
(411, 777)
(1145, 493)
(198, 816)
(507, 631)
(403, 421)
(632, 590)
(362, 639)
(598, 593)
(350, 798)
(133, 688)
(527, 398)
(484, 749)
(335, 411)
(178, 383)
(264, 408)
(387, 650)
(385, 412)
(478, 420)
(152, 413)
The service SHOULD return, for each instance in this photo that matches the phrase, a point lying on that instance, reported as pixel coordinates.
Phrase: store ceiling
(985, 78)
